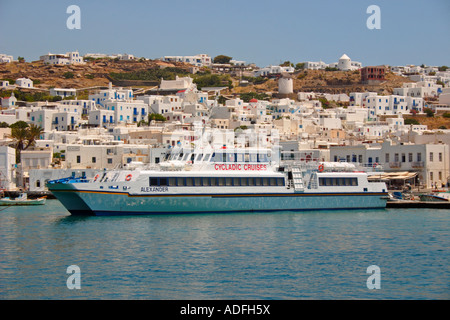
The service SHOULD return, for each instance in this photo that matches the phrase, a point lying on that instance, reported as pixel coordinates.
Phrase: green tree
(3, 124)
(428, 112)
(33, 133)
(21, 59)
(287, 64)
(222, 59)
(410, 121)
(68, 75)
(443, 68)
(247, 96)
(156, 117)
(24, 136)
(299, 66)
(221, 100)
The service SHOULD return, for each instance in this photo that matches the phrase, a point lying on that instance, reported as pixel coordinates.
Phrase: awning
(393, 176)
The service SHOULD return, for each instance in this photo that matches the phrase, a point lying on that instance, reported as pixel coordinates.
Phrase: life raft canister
(128, 177)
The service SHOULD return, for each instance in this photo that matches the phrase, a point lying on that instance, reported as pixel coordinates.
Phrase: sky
(264, 32)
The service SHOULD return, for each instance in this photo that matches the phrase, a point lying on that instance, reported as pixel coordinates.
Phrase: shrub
(68, 75)
(411, 121)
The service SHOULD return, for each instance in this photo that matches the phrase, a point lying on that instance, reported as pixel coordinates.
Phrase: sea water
(277, 255)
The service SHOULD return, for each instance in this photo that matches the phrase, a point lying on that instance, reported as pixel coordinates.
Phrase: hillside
(94, 73)
(329, 82)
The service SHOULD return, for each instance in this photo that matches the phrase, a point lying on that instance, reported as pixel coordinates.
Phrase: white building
(7, 168)
(272, 70)
(344, 64)
(62, 59)
(9, 102)
(127, 111)
(24, 83)
(319, 65)
(199, 60)
(111, 94)
(63, 93)
(393, 105)
(420, 89)
(180, 83)
(430, 161)
(5, 58)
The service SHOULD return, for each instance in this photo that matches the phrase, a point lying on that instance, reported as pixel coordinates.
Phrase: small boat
(444, 196)
(22, 200)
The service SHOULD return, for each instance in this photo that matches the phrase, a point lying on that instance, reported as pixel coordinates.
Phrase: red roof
(181, 91)
(253, 100)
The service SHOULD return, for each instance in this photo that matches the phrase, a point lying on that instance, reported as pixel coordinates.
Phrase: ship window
(199, 157)
(189, 182)
(258, 181)
(181, 182)
(265, 181)
(207, 156)
(197, 182)
(185, 156)
(213, 181)
(273, 181)
(206, 181)
(221, 182)
(338, 181)
(172, 182)
(251, 181)
(153, 181)
(228, 181)
(162, 182)
(239, 157)
(280, 182)
(236, 182)
(244, 182)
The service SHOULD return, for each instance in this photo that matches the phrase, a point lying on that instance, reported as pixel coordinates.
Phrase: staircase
(298, 179)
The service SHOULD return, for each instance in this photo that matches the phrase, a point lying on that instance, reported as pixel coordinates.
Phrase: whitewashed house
(62, 59)
(9, 102)
(6, 58)
(272, 70)
(24, 83)
(63, 92)
(199, 60)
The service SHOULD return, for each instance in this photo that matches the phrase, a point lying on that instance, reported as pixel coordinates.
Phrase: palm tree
(20, 135)
(33, 133)
(24, 136)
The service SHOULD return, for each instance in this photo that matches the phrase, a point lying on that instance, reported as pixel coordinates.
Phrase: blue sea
(322, 255)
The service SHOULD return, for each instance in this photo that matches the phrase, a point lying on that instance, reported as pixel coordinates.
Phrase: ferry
(222, 180)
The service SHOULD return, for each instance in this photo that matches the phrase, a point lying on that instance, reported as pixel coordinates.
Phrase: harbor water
(239, 256)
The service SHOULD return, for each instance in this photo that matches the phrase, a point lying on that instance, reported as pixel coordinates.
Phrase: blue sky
(260, 31)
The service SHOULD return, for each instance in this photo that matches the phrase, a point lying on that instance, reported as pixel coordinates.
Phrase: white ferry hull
(118, 203)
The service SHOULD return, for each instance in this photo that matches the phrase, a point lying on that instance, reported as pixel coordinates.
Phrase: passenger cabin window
(327, 182)
(222, 181)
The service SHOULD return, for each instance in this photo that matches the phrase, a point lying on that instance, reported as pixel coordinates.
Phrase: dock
(418, 204)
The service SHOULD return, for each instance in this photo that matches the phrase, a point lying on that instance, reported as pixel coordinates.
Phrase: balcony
(417, 164)
(395, 165)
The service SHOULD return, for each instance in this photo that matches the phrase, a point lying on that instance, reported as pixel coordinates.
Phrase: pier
(405, 204)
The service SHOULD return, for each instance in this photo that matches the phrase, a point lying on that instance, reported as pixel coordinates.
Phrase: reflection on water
(318, 255)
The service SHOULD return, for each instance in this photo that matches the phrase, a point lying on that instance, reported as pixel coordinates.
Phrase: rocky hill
(93, 73)
(330, 82)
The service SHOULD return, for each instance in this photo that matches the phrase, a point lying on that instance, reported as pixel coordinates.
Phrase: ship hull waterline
(109, 203)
